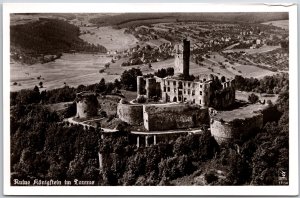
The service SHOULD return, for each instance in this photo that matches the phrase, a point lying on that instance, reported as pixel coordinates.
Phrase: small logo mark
(283, 177)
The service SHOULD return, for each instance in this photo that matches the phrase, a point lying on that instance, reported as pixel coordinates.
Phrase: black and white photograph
(155, 98)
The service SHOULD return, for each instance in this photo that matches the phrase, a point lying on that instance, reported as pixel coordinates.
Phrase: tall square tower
(182, 58)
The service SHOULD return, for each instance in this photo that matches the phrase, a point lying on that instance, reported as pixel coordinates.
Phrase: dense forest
(45, 147)
(31, 42)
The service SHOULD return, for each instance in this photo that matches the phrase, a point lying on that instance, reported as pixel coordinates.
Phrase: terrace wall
(236, 128)
(161, 117)
(132, 114)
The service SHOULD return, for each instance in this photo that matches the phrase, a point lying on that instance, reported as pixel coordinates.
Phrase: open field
(262, 49)
(17, 19)
(252, 71)
(111, 39)
(280, 23)
(77, 69)
(245, 70)
(73, 69)
(211, 65)
(242, 95)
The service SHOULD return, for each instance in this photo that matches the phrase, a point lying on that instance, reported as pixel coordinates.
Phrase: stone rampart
(159, 117)
(130, 113)
(231, 127)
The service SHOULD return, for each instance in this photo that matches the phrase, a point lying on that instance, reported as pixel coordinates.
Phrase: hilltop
(32, 41)
(136, 19)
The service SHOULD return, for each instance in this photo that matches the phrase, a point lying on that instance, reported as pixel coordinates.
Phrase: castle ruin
(183, 103)
(178, 88)
(180, 104)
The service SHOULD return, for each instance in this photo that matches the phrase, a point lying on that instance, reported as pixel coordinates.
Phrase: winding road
(107, 130)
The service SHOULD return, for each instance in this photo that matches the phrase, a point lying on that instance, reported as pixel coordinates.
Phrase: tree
(101, 87)
(109, 87)
(128, 79)
(107, 65)
(141, 99)
(170, 71)
(41, 84)
(252, 98)
(80, 88)
(223, 79)
(162, 73)
(117, 84)
(36, 89)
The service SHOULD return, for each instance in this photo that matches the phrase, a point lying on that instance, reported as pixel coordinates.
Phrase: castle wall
(151, 90)
(132, 114)
(141, 86)
(86, 105)
(167, 117)
(224, 131)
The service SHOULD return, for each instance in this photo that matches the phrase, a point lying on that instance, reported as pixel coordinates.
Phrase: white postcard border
(292, 189)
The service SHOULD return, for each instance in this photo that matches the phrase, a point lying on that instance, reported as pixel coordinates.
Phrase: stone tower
(86, 104)
(182, 58)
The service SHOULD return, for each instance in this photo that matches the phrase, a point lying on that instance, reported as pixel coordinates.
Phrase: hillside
(31, 41)
(130, 19)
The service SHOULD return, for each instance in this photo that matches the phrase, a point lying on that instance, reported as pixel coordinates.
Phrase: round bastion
(226, 126)
(86, 104)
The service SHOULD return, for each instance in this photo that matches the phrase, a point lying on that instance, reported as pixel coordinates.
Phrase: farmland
(72, 69)
(254, 51)
(76, 69)
(280, 23)
(111, 39)
(212, 47)
(137, 19)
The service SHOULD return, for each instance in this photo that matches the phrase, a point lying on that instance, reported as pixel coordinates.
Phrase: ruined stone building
(179, 103)
(183, 102)
(178, 88)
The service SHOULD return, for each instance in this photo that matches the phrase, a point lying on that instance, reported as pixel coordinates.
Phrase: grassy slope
(48, 36)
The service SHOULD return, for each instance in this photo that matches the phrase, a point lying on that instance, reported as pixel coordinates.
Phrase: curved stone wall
(86, 105)
(224, 131)
(130, 113)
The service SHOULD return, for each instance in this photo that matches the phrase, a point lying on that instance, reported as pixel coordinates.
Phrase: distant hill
(47, 37)
(129, 19)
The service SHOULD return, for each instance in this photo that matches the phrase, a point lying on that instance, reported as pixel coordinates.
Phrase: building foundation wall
(169, 117)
